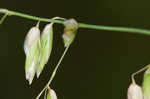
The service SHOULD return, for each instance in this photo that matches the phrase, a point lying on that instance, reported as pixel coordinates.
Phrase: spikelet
(46, 47)
(70, 31)
(32, 51)
(135, 92)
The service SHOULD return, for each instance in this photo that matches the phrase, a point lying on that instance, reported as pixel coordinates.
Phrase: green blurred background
(98, 64)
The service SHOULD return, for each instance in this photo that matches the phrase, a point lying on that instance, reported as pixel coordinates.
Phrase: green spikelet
(51, 94)
(46, 47)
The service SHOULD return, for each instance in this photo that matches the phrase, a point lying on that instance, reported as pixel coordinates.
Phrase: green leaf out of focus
(146, 84)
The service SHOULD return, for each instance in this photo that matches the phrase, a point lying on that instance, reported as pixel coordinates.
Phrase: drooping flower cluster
(38, 49)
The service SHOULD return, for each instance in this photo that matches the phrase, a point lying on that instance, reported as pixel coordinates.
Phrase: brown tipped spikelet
(70, 31)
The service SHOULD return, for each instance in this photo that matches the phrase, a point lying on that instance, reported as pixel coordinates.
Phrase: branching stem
(132, 76)
(54, 73)
(3, 18)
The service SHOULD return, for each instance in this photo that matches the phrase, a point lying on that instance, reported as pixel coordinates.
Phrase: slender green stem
(81, 25)
(119, 29)
(132, 77)
(54, 73)
(14, 13)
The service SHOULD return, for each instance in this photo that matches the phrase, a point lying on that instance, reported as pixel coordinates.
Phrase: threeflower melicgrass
(38, 48)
